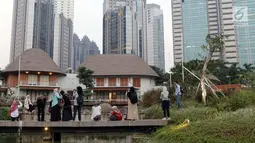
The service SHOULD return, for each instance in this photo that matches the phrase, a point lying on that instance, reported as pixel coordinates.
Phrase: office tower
(82, 49)
(32, 26)
(124, 27)
(190, 28)
(244, 22)
(193, 20)
(63, 33)
(76, 51)
(155, 36)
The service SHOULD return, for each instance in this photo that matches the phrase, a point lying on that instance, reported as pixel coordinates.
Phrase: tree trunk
(204, 93)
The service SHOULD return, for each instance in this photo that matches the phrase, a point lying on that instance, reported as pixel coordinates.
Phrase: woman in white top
(15, 110)
(28, 104)
(96, 112)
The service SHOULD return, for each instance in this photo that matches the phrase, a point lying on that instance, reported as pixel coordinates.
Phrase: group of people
(165, 100)
(61, 100)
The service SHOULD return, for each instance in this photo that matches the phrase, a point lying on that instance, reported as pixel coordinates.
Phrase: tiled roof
(36, 60)
(118, 64)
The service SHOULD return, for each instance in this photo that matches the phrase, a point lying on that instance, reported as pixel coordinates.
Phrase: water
(71, 138)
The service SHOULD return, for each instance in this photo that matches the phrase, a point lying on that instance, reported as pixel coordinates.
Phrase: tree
(163, 77)
(85, 77)
(1, 74)
(214, 43)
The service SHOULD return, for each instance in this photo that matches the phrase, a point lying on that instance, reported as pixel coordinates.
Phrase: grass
(228, 121)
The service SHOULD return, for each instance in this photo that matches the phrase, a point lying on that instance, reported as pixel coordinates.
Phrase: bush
(4, 113)
(227, 127)
(151, 97)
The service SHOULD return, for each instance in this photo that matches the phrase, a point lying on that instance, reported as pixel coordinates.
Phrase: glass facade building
(195, 28)
(245, 31)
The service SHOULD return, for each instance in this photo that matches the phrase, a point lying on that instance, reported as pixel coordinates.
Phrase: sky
(88, 16)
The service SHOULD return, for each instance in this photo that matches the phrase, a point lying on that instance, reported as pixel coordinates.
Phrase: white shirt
(96, 110)
(75, 98)
(15, 113)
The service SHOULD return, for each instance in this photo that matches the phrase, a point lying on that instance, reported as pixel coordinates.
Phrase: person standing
(14, 111)
(55, 108)
(67, 109)
(28, 104)
(78, 102)
(178, 94)
(164, 96)
(132, 105)
(41, 102)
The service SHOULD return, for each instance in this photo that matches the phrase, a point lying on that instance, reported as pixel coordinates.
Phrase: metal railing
(40, 83)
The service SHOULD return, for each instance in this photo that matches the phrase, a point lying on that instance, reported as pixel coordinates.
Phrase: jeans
(165, 108)
(178, 98)
(77, 108)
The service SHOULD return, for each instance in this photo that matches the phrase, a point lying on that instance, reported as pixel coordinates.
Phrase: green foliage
(151, 97)
(227, 127)
(4, 113)
(85, 76)
(163, 77)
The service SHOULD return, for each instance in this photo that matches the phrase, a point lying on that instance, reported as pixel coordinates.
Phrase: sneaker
(164, 119)
(168, 118)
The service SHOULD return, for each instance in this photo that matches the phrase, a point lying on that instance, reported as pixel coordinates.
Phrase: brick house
(38, 74)
(115, 74)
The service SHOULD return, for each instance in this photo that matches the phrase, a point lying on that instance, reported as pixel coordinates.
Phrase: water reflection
(70, 138)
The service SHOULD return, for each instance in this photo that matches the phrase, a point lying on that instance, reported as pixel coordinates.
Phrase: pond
(74, 138)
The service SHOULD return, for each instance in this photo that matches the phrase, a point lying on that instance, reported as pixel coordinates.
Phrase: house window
(44, 80)
(137, 82)
(32, 79)
(100, 81)
(111, 81)
(123, 81)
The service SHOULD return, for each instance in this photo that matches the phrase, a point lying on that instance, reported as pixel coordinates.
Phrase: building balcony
(40, 83)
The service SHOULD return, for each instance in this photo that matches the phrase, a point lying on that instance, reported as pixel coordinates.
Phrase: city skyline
(87, 21)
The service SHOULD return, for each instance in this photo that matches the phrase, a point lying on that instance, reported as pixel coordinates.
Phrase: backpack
(133, 97)
(80, 100)
(182, 90)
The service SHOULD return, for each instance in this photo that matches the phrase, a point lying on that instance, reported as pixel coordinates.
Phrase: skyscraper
(82, 49)
(155, 36)
(32, 26)
(124, 27)
(63, 33)
(193, 20)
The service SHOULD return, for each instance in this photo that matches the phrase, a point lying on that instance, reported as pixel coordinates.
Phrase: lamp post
(19, 78)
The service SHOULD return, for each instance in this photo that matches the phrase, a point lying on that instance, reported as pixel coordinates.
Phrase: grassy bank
(226, 121)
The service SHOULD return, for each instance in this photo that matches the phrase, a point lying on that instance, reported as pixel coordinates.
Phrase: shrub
(151, 97)
(4, 113)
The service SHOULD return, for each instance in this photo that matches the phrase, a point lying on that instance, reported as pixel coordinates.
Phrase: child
(115, 114)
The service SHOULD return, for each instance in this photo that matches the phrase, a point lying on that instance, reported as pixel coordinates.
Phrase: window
(123, 81)
(100, 81)
(32, 79)
(136, 82)
(44, 80)
(111, 81)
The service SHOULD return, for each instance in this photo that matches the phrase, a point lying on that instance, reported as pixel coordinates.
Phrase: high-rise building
(193, 20)
(244, 12)
(82, 49)
(124, 27)
(63, 33)
(155, 36)
(32, 26)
